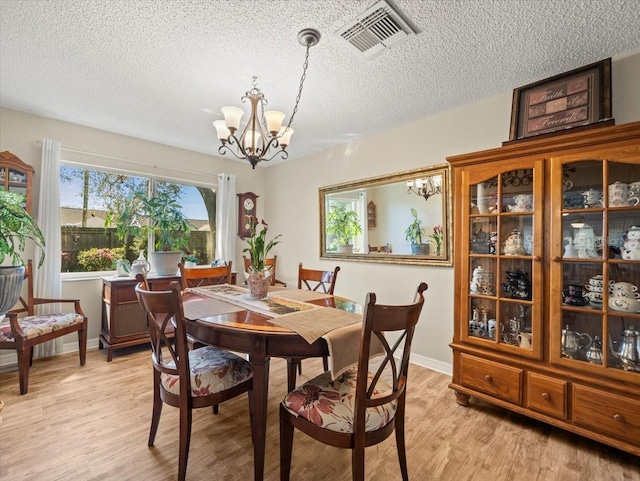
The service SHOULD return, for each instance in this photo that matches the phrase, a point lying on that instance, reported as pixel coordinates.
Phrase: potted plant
(344, 225)
(413, 234)
(16, 226)
(258, 278)
(164, 219)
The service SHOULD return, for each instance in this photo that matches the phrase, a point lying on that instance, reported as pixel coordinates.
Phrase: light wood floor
(91, 423)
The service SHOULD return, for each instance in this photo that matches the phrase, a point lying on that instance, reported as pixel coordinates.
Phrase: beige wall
(289, 191)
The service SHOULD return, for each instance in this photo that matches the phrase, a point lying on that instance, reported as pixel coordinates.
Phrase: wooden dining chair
(204, 276)
(385, 249)
(270, 265)
(313, 280)
(23, 332)
(364, 405)
(182, 378)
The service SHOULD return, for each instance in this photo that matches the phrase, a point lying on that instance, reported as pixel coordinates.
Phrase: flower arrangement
(258, 246)
(437, 238)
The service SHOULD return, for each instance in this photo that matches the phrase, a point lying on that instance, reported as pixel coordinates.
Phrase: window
(89, 196)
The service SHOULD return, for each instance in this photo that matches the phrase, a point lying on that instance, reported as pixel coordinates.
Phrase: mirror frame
(446, 259)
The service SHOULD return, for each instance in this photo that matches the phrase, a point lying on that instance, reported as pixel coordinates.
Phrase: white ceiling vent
(376, 30)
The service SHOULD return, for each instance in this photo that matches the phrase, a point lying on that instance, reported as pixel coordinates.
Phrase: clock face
(248, 204)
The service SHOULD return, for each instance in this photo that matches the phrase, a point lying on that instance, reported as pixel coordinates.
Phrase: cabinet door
(502, 232)
(595, 273)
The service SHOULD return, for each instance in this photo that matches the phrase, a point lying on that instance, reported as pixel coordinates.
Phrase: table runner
(203, 307)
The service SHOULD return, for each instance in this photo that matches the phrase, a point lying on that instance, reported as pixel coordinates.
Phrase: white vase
(165, 263)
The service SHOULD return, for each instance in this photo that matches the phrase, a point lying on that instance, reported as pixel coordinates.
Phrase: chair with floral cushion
(205, 276)
(182, 378)
(23, 332)
(364, 405)
(313, 280)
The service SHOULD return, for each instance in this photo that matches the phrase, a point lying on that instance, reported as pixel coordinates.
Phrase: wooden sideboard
(123, 321)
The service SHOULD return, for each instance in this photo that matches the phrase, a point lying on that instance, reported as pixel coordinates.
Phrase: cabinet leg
(109, 354)
(462, 399)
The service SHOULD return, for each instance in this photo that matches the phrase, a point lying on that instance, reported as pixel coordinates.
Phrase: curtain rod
(136, 162)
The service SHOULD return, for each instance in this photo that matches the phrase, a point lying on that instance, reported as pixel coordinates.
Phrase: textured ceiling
(160, 70)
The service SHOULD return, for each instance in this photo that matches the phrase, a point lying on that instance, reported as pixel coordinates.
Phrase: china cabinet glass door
(503, 267)
(595, 273)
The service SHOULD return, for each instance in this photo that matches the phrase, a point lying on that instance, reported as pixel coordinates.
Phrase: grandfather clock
(246, 208)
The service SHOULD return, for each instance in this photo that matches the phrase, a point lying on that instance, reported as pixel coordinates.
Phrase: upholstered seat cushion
(212, 370)
(330, 404)
(34, 326)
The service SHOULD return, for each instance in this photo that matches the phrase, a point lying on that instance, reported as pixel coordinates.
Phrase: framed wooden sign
(579, 97)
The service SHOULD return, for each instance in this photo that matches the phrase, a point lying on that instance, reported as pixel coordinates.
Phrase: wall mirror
(401, 218)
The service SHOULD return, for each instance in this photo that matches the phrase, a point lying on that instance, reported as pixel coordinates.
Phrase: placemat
(312, 324)
(344, 347)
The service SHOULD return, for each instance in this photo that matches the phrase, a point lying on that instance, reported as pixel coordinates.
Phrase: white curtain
(226, 217)
(47, 280)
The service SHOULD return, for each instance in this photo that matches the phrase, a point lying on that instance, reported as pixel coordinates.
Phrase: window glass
(89, 196)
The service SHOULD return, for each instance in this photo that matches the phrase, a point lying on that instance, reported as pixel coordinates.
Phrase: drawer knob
(545, 395)
(618, 417)
(488, 378)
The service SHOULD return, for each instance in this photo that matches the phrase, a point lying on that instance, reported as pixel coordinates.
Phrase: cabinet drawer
(492, 378)
(546, 394)
(615, 415)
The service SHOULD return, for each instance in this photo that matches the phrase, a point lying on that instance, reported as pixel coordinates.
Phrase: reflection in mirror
(399, 218)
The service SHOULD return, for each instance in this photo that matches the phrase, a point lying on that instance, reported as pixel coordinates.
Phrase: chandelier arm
(284, 154)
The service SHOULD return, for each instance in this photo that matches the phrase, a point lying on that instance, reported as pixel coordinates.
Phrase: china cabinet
(547, 278)
(16, 176)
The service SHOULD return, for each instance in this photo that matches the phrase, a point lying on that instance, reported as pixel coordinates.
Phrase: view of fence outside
(78, 239)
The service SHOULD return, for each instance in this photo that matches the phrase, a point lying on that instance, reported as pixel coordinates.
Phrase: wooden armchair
(182, 378)
(22, 333)
(385, 249)
(204, 276)
(362, 407)
(270, 265)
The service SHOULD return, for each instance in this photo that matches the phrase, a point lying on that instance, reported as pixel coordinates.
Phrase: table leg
(260, 364)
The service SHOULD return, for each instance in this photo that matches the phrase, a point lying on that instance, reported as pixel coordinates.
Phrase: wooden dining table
(253, 333)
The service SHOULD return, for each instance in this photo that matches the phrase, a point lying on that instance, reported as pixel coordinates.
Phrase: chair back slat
(166, 320)
(317, 280)
(205, 276)
(378, 320)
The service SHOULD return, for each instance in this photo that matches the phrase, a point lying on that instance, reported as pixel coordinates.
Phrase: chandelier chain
(305, 65)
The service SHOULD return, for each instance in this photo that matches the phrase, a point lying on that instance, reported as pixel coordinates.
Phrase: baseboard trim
(9, 361)
(433, 364)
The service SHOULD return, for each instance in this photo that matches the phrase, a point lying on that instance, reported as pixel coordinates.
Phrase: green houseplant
(344, 225)
(258, 279)
(413, 234)
(161, 216)
(16, 226)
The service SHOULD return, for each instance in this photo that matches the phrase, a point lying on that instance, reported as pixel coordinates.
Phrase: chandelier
(425, 187)
(264, 132)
